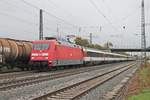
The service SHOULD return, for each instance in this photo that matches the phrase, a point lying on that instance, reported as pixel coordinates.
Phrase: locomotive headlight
(34, 54)
(44, 54)
(32, 57)
(46, 57)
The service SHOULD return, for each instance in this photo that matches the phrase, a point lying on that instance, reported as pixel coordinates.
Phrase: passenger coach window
(94, 54)
(40, 46)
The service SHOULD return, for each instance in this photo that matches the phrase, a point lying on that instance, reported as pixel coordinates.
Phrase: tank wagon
(55, 53)
(14, 52)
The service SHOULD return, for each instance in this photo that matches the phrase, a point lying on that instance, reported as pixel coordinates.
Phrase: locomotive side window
(40, 46)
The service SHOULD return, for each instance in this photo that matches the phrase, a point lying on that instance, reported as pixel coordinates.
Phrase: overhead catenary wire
(23, 20)
(108, 8)
(61, 8)
(64, 22)
(60, 20)
(31, 5)
(16, 6)
(130, 14)
(58, 6)
(102, 14)
(18, 18)
(48, 13)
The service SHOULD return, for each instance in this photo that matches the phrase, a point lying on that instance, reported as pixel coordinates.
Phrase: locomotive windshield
(40, 46)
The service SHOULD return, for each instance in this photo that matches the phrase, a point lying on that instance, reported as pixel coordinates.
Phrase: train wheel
(28, 68)
(22, 68)
(45, 68)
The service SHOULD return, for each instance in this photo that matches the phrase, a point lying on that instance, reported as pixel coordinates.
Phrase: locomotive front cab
(42, 53)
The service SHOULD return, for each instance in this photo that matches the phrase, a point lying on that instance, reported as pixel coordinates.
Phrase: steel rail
(78, 89)
(33, 80)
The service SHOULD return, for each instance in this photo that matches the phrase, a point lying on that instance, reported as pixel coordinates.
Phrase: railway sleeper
(84, 88)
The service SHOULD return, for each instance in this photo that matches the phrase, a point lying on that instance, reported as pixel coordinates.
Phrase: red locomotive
(55, 53)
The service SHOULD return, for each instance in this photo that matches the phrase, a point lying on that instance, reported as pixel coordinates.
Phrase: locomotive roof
(67, 43)
(104, 52)
(59, 41)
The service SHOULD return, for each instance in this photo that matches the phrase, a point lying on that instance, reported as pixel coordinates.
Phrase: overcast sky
(19, 19)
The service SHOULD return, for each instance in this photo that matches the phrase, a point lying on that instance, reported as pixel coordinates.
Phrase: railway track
(75, 91)
(10, 75)
(14, 74)
(41, 78)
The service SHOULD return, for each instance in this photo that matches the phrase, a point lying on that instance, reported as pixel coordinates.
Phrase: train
(52, 52)
(15, 52)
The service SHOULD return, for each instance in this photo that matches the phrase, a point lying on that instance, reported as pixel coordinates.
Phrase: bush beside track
(140, 87)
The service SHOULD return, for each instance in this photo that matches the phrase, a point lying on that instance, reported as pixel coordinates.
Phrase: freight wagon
(15, 52)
